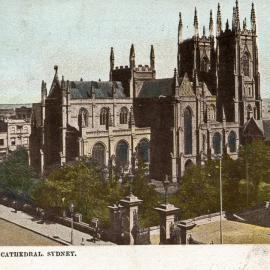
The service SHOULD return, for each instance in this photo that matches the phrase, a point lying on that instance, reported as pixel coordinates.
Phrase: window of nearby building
(25, 140)
(188, 131)
(13, 141)
(25, 129)
(122, 153)
(245, 64)
(123, 115)
(2, 142)
(143, 150)
(217, 143)
(12, 129)
(104, 116)
(232, 142)
(98, 153)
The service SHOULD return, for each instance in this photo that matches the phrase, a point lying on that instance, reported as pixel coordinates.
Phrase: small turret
(245, 24)
(237, 16)
(175, 76)
(203, 31)
(227, 25)
(211, 25)
(56, 73)
(233, 19)
(196, 23)
(223, 115)
(219, 21)
(132, 56)
(180, 29)
(152, 58)
(112, 59)
(253, 18)
(63, 83)
(43, 92)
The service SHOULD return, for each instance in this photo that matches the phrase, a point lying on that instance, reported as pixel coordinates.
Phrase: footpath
(52, 230)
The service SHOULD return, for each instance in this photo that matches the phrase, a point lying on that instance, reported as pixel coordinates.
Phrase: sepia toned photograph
(134, 123)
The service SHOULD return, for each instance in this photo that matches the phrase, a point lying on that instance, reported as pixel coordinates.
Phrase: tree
(16, 176)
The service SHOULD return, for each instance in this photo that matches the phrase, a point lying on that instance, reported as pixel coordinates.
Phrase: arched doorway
(217, 143)
(99, 153)
(122, 153)
(143, 150)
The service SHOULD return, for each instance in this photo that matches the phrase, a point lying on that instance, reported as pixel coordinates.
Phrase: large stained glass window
(188, 131)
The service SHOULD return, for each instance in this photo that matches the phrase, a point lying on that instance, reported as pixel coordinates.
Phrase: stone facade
(197, 114)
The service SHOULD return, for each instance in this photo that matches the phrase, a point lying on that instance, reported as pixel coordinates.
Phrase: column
(167, 214)
(131, 206)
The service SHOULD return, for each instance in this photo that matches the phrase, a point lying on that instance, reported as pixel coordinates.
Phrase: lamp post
(131, 178)
(71, 208)
(220, 198)
(166, 184)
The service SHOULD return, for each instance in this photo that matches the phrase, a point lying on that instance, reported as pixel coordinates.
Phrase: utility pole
(221, 199)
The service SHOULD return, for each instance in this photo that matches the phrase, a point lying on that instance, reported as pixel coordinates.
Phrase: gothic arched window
(217, 143)
(203, 142)
(188, 164)
(143, 150)
(205, 64)
(83, 118)
(98, 153)
(245, 60)
(104, 116)
(122, 153)
(232, 142)
(188, 131)
(123, 115)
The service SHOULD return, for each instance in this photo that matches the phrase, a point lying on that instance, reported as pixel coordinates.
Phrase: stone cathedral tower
(238, 77)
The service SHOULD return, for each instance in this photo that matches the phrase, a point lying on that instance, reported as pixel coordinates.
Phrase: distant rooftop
(14, 106)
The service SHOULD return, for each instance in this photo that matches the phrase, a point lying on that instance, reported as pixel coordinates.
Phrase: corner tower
(238, 69)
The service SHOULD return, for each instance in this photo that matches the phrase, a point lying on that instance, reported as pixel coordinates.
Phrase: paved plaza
(36, 231)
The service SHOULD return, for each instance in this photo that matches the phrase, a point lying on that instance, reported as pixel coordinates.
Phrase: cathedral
(201, 112)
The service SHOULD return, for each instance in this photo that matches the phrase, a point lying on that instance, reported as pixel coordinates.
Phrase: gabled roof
(102, 90)
(156, 88)
(262, 125)
(185, 88)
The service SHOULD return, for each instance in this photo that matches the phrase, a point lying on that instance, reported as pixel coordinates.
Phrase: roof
(102, 89)
(156, 88)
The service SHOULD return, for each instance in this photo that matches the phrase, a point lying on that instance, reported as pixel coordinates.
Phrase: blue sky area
(77, 36)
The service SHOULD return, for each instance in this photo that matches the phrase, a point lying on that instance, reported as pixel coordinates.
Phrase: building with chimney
(201, 112)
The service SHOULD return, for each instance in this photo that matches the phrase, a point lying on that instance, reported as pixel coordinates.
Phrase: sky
(77, 35)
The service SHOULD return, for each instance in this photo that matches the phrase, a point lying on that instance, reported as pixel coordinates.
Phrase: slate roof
(103, 90)
(156, 88)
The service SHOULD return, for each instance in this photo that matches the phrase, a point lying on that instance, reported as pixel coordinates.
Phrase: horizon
(37, 36)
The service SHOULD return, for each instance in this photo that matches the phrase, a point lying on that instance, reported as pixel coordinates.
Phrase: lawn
(233, 233)
(13, 235)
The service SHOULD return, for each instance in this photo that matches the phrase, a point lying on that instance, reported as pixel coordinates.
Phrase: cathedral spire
(56, 73)
(227, 25)
(253, 18)
(152, 58)
(203, 31)
(180, 29)
(237, 16)
(245, 24)
(233, 19)
(132, 56)
(112, 59)
(211, 24)
(196, 23)
(219, 21)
